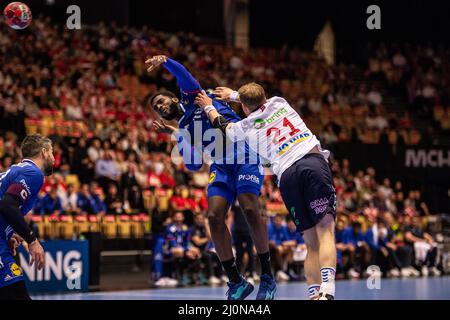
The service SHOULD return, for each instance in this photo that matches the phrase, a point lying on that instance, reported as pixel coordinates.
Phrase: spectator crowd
(86, 90)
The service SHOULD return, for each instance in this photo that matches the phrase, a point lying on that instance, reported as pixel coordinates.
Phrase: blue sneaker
(267, 288)
(239, 291)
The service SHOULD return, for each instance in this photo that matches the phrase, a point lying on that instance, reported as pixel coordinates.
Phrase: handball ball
(17, 15)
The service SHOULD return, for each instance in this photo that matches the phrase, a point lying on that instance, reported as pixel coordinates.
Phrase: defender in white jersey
(278, 134)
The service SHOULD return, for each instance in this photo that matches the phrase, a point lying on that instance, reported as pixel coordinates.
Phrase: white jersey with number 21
(277, 133)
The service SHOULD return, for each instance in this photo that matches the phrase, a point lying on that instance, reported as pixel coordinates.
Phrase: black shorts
(308, 192)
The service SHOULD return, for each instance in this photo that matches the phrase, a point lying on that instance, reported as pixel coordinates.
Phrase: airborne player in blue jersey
(229, 179)
(19, 188)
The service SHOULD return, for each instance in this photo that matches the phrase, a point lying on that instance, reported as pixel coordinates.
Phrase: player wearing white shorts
(278, 134)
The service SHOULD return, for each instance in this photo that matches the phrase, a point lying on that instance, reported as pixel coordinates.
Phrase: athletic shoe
(214, 281)
(435, 271)
(393, 273)
(166, 282)
(255, 277)
(224, 279)
(353, 274)
(185, 281)
(424, 271)
(325, 296)
(202, 280)
(405, 273)
(239, 291)
(251, 281)
(282, 276)
(171, 282)
(267, 288)
(415, 272)
(162, 282)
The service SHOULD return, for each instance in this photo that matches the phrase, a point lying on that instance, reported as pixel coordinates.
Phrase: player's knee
(215, 219)
(252, 215)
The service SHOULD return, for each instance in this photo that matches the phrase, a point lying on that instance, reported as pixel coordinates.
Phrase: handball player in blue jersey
(19, 188)
(229, 178)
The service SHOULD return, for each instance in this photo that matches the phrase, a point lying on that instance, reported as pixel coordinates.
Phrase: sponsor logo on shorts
(212, 177)
(15, 271)
(292, 212)
(249, 177)
(319, 205)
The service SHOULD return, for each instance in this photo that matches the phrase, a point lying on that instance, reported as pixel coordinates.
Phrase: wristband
(234, 96)
(208, 109)
(30, 237)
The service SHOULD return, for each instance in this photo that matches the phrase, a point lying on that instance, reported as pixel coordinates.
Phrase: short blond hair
(252, 94)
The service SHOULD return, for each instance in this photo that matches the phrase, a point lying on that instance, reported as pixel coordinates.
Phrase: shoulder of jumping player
(225, 110)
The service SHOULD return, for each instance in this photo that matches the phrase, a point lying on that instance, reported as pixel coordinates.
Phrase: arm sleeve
(185, 80)
(192, 157)
(9, 210)
(235, 132)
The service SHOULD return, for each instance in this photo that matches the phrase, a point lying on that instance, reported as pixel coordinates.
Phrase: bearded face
(167, 107)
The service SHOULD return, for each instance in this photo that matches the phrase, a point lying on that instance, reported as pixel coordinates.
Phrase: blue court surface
(389, 289)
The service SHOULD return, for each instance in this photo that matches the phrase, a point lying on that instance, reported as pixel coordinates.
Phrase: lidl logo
(15, 269)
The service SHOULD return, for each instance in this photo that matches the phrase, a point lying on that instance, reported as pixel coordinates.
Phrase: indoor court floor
(437, 288)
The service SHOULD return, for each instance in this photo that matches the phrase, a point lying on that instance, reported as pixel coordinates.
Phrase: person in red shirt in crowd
(180, 202)
(153, 179)
(167, 179)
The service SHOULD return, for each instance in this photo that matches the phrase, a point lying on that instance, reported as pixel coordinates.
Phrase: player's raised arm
(184, 78)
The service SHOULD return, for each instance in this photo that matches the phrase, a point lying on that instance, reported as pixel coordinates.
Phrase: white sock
(313, 291)
(328, 283)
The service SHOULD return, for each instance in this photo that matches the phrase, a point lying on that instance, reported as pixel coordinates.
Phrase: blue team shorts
(308, 192)
(231, 180)
(10, 272)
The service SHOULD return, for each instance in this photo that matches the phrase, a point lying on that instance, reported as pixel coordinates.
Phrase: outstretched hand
(223, 93)
(155, 61)
(164, 127)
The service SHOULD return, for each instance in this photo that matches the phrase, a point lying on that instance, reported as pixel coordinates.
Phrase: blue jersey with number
(22, 180)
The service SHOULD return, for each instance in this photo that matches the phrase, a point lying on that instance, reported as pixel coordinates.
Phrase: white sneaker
(414, 272)
(214, 281)
(281, 276)
(172, 282)
(404, 272)
(324, 296)
(393, 273)
(255, 277)
(373, 273)
(251, 281)
(435, 271)
(425, 271)
(162, 282)
(353, 274)
(224, 279)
